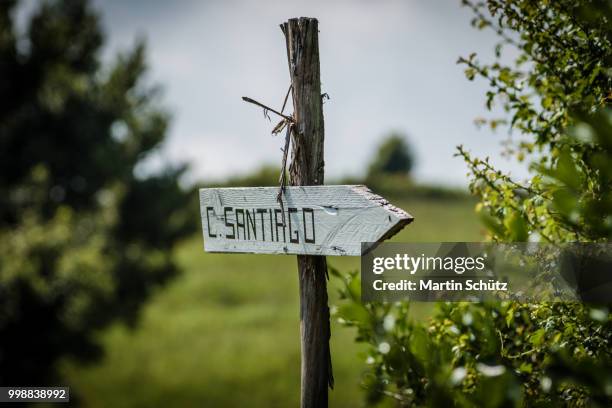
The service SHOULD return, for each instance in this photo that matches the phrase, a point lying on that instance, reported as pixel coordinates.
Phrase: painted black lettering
(229, 224)
(210, 234)
(292, 239)
(239, 224)
(250, 224)
(311, 211)
(277, 211)
(271, 225)
(261, 212)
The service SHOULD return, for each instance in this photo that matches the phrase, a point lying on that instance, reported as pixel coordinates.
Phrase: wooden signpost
(307, 219)
(314, 220)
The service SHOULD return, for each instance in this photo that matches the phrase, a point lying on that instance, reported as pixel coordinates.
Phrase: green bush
(495, 354)
(557, 97)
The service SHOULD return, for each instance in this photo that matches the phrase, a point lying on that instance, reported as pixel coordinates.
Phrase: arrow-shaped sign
(313, 220)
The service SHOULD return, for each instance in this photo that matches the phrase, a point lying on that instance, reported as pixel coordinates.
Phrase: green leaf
(516, 227)
(354, 312)
(537, 337)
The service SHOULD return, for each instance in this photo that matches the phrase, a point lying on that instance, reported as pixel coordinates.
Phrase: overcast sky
(387, 65)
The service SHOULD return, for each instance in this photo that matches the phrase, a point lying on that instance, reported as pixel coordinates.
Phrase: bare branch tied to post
(267, 108)
(286, 122)
(282, 181)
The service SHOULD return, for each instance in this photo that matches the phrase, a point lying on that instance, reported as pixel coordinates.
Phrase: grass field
(226, 331)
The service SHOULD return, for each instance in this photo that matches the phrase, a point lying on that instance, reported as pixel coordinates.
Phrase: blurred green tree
(393, 157)
(84, 235)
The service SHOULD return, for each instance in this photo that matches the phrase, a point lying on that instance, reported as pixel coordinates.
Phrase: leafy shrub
(495, 354)
(557, 97)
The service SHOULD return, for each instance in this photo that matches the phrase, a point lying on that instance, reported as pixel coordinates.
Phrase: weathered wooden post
(307, 168)
(308, 219)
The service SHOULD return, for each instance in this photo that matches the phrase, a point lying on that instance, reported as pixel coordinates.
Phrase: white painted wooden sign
(313, 220)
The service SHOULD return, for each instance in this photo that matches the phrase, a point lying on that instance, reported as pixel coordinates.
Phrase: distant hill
(397, 186)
